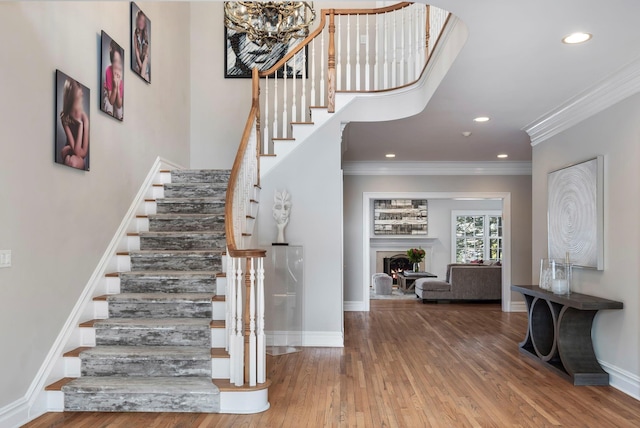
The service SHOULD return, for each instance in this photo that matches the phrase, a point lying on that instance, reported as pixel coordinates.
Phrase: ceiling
(514, 69)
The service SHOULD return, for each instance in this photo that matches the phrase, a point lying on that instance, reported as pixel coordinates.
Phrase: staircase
(164, 334)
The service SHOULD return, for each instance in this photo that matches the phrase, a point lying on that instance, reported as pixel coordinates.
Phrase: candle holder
(555, 276)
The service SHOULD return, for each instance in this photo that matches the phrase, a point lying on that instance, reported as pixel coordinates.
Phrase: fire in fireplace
(396, 264)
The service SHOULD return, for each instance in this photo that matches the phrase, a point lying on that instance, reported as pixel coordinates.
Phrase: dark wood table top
(573, 300)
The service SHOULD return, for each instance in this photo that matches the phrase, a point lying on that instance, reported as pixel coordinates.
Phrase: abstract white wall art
(576, 213)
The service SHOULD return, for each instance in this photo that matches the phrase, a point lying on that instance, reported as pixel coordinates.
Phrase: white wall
(614, 133)
(316, 224)
(56, 220)
(355, 186)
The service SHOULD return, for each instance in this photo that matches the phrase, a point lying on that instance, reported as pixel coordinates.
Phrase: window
(476, 236)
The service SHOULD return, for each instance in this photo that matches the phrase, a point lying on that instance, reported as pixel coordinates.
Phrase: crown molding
(437, 168)
(612, 89)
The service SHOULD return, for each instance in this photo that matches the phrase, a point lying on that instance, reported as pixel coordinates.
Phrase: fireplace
(396, 264)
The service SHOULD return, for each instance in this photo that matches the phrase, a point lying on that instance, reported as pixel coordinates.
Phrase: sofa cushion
(432, 284)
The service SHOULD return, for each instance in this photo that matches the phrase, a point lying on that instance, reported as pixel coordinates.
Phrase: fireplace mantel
(380, 241)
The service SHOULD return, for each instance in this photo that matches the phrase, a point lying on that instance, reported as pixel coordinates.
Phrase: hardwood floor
(409, 365)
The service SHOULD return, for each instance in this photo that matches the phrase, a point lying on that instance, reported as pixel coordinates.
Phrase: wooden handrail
(254, 115)
(321, 25)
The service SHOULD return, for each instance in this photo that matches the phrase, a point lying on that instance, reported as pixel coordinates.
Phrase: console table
(408, 282)
(559, 333)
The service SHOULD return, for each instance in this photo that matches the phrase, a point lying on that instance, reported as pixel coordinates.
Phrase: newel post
(331, 75)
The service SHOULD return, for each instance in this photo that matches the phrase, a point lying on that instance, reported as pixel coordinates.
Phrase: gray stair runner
(153, 353)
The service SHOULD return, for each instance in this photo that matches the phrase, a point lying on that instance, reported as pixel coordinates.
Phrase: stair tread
(219, 200)
(169, 273)
(217, 324)
(142, 385)
(217, 233)
(147, 352)
(161, 297)
(177, 252)
(302, 123)
(219, 353)
(57, 385)
(152, 322)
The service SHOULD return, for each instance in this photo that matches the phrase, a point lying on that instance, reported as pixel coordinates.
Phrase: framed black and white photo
(400, 217)
(112, 78)
(140, 43)
(576, 213)
(72, 114)
(242, 56)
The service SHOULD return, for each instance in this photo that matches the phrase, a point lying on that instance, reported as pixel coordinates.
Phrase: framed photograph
(140, 43)
(400, 217)
(112, 78)
(576, 213)
(72, 114)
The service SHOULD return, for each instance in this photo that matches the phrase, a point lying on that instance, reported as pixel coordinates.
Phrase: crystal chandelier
(271, 22)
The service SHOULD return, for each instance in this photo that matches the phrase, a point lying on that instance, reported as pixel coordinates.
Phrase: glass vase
(555, 276)
(416, 267)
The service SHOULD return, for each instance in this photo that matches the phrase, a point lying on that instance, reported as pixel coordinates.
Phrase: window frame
(486, 232)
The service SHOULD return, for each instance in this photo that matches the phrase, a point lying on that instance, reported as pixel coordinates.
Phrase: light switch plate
(5, 258)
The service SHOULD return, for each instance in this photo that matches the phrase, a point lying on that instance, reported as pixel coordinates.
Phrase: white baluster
(358, 70)
(348, 65)
(410, 65)
(294, 85)
(323, 93)
(260, 321)
(265, 119)
(338, 42)
(367, 76)
(275, 132)
(231, 322)
(252, 327)
(313, 102)
(285, 105)
(376, 66)
(403, 23)
(394, 47)
(239, 364)
(303, 101)
(386, 40)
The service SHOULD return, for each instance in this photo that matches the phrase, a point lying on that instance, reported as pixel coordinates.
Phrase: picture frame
(140, 43)
(400, 217)
(111, 77)
(242, 55)
(576, 213)
(72, 114)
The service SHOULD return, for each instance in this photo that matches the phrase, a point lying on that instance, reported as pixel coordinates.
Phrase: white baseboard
(323, 339)
(354, 306)
(622, 380)
(33, 404)
(518, 306)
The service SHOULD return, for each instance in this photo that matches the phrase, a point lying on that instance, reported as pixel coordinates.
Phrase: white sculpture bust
(281, 210)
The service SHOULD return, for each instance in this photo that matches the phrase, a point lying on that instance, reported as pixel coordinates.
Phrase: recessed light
(575, 38)
(503, 156)
(481, 119)
(390, 155)
(466, 134)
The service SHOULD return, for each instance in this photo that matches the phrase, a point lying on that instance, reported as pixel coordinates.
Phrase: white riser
(163, 177)
(220, 368)
(282, 148)
(155, 192)
(55, 401)
(113, 285)
(301, 132)
(87, 336)
(219, 311)
(123, 264)
(100, 309)
(221, 285)
(218, 337)
(319, 115)
(72, 366)
(244, 402)
(148, 208)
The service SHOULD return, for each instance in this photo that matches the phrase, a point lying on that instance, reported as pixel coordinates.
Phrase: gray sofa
(463, 282)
